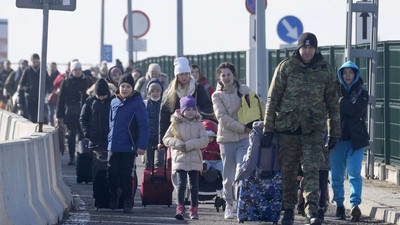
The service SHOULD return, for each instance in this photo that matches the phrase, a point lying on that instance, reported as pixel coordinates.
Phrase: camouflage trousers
(293, 148)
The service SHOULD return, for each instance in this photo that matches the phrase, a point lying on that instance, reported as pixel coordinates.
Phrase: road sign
(251, 6)
(107, 53)
(65, 5)
(139, 45)
(3, 39)
(289, 29)
(140, 23)
(363, 26)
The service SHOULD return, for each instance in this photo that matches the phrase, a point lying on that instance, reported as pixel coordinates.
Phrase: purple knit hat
(186, 102)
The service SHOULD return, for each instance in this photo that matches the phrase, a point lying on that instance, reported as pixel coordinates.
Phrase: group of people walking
(124, 116)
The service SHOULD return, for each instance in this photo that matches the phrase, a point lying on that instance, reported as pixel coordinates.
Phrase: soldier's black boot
(288, 217)
(313, 219)
(321, 215)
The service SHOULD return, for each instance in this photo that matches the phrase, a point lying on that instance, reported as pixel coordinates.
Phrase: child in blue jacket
(128, 135)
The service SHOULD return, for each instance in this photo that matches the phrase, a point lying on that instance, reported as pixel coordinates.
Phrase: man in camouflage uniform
(302, 100)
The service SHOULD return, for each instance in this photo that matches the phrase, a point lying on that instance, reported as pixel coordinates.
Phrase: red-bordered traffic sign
(251, 6)
(141, 23)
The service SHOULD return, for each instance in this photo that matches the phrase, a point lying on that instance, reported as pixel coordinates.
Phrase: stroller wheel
(223, 204)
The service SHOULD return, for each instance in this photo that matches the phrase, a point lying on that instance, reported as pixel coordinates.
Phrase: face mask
(155, 99)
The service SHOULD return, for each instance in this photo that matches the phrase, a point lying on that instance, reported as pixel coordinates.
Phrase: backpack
(251, 109)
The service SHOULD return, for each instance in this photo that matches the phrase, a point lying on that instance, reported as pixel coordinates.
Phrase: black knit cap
(127, 78)
(101, 88)
(307, 39)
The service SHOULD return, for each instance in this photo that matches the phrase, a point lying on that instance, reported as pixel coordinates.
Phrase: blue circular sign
(289, 29)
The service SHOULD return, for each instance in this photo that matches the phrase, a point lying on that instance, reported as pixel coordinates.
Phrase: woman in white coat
(232, 137)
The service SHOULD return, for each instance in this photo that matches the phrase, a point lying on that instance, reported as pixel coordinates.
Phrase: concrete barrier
(31, 187)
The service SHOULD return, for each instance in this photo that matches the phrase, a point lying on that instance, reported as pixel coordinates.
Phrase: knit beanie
(181, 66)
(126, 78)
(154, 83)
(101, 88)
(75, 65)
(307, 39)
(154, 67)
(186, 102)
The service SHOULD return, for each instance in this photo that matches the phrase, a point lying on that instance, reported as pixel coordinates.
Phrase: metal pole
(42, 78)
(130, 31)
(372, 88)
(180, 29)
(349, 18)
(261, 62)
(102, 32)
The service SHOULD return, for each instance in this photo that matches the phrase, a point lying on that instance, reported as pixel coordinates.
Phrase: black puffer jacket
(94, 121)
(353, 107)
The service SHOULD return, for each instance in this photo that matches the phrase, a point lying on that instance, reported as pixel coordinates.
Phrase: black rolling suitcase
(101, 192)
(84, 162)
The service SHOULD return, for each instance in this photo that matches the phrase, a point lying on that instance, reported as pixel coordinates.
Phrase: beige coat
(226, 104)
(190, 133)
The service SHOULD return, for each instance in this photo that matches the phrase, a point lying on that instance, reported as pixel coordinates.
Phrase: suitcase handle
(165, 162)
(273, 148)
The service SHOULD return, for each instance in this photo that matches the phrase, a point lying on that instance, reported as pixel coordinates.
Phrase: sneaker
(313, 219)
(321, 215)
(114, 199)
(288, 217)
(229, 212)
(355, 214)
(193, 213)
(179, 212)
(340, 213)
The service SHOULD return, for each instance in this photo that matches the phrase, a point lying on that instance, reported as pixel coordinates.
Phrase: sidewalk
(380, 200)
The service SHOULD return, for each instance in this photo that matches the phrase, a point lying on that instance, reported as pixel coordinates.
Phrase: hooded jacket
(211, 151)
(129, 124)
(226, 103)
(353, 107)
(143, 83)
(303, 98)
(93, 114)
(153, 111)
(193, 135)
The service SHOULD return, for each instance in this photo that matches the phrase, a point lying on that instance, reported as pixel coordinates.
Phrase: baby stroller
(210, 187)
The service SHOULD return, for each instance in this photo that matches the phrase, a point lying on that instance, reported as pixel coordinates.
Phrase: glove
(331, 144)
(266, 140)
(181, 146)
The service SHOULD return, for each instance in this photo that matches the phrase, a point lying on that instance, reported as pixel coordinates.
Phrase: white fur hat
(181, 66)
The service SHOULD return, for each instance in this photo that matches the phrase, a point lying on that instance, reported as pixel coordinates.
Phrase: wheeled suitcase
(157, 187)
(101, 193)
(84, 162)
(260, 195)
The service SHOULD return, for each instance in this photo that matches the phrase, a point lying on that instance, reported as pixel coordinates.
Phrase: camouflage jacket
(303, 95)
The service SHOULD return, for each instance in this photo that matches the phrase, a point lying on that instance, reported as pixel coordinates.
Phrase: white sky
(208, 26)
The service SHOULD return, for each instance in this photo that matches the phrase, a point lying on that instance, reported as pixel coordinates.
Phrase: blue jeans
(343, 156)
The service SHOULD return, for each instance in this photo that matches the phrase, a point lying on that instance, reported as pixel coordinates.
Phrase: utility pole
(130, 31)
(180, 29)
(102, 32)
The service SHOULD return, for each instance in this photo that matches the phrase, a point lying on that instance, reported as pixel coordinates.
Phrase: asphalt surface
(84, 212)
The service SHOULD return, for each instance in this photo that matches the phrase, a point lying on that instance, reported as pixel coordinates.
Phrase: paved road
(84, 212)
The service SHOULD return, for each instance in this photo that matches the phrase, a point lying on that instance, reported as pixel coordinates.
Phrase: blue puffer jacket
(129, 124)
